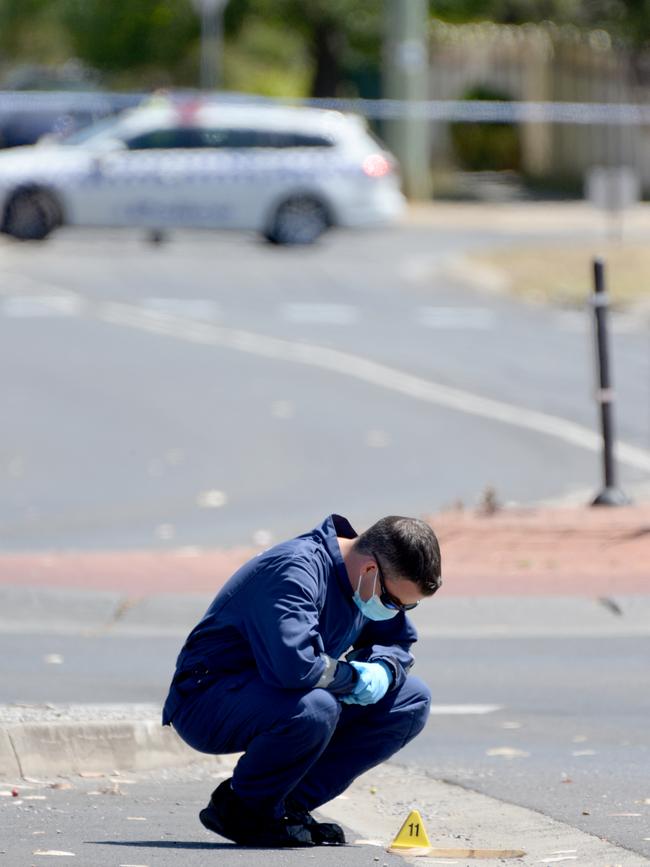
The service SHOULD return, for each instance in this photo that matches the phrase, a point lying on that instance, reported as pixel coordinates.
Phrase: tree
(115, 35)
(343, 37)
(29, 30)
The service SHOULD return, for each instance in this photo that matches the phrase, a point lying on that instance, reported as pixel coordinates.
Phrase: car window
(179, 137)
(102, 129)
(256, 138)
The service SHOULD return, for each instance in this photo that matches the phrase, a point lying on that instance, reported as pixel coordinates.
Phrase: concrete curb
(63, 747)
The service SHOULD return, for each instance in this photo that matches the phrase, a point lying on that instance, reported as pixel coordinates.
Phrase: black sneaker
(229, 817)
(322, 833)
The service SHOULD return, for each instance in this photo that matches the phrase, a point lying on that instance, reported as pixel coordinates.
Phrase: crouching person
(263, 673)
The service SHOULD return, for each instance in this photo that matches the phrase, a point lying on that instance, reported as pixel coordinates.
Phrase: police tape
(443, 110)
(67, 101)
(490, 111)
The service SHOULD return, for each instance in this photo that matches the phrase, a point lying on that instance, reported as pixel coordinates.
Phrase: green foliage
(508, 11)
(127, 34)
(486, 146)
(322, 47)
(342, 38)
(30, 30)
(267, 59)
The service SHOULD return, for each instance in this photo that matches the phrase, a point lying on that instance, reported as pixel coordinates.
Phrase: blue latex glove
(374, 681)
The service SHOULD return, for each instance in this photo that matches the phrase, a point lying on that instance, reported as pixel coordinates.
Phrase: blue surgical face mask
(372, 608)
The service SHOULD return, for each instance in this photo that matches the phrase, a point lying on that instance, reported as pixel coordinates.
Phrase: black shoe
(229, 817)
(322, 833)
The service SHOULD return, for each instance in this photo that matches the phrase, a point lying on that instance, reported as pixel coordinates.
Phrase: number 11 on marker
(412, 832)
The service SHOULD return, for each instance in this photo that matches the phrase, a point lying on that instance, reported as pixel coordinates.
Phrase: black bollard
(610, 495)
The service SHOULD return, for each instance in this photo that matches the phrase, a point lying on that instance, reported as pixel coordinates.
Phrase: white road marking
(191, 308)
(321, 314)
(456, 318)
(464, 709)
(33, 306)
(371, 372)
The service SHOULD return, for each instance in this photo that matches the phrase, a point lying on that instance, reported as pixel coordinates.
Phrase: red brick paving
(568, 551)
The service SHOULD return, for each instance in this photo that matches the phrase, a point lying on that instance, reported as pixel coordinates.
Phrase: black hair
(408, 546)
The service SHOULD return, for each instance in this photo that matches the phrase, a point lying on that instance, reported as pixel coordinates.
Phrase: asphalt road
(141, 823)
(551, 721)
(216, 391)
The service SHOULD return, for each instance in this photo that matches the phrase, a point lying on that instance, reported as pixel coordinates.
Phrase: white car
(288, 173)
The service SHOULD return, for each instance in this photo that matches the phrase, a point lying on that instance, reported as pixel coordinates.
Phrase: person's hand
(373, 683)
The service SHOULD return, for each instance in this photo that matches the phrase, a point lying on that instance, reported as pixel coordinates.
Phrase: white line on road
(372, 372)
(37, 306)
(464, 709)
(321, 314)
(191, 308)
(456, 318)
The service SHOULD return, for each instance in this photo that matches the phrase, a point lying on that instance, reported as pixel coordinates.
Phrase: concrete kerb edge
(66, 748)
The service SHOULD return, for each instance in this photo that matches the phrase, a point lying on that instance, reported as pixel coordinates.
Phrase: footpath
(568, 558)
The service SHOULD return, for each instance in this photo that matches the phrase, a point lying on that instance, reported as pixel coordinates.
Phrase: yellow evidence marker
(412, 834)
(412, 839)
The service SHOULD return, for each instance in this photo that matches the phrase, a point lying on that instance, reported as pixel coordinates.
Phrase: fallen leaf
(507, 752)
(555, 859)
(112, 790)
(212, 499)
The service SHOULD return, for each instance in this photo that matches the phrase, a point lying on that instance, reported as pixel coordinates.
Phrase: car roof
(261, 116)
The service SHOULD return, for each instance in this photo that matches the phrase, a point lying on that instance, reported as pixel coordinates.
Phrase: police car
(286, 172)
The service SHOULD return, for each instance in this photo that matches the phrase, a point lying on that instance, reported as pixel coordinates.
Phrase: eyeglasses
(387, 599)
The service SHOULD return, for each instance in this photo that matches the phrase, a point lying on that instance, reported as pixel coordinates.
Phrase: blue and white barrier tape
(478, 111)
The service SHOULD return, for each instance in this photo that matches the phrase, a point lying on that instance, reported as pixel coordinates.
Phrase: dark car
(26, 116)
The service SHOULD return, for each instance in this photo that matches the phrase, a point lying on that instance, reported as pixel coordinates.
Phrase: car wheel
(299, 220)
(30, 215)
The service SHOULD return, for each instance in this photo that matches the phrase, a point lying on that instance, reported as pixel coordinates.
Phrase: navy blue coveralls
(260, 675)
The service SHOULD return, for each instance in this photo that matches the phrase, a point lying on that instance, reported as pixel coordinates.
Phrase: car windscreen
(103, 129)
